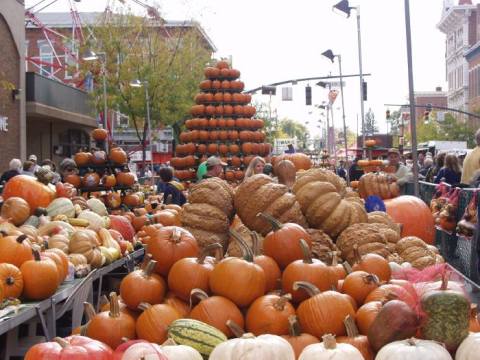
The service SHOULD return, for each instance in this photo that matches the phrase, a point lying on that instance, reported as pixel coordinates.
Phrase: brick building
(434, 98)
(12, 82)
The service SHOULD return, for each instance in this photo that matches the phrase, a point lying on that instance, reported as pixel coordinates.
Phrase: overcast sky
(275, 40)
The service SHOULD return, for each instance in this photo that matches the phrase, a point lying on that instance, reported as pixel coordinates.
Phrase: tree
(371, 126)
(135, 48)
(294, 129)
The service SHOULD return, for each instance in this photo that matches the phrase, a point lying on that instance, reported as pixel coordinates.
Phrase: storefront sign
(3, 123)
(137, 156)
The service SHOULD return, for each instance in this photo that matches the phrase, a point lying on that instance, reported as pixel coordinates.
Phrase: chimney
(438, 89)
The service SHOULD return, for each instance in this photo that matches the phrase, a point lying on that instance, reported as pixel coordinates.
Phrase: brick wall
(424, 100)
(9, 72)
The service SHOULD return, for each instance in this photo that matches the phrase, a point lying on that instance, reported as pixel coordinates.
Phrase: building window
(71, 65)
(73, 140)
(46, 57)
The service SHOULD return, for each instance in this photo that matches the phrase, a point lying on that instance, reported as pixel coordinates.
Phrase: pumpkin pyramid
(222, 124)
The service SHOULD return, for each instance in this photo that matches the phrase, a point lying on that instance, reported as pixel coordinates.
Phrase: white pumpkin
(181, 352)
(61, 206)
(144, 351)
(413, 349)
(469, 349)
(249, 347)
(330, 350)
(97, 206)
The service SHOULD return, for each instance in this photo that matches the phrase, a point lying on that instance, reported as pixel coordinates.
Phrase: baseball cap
(32, 157)
(393, 151)
(213, 160)
(67, 163)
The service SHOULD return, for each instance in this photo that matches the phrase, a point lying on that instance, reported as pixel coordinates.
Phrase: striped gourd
(198, 335)
(61, 206)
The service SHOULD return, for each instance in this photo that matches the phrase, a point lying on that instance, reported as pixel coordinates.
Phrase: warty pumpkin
(415, 251)
(322, 245)
(259, 193)
(11, 280)
(213, 191)
(378, 184)
(152, 324)
(269, 314)
(40, 277)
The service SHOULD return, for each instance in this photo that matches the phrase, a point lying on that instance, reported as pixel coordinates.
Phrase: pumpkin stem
(21, 238)
(411, 342)
(199, 294)
(445, 278)
(62, 342)
(208, 249)
(148, 270)
(347, 267)
(329, 341)
(9, 280)
(294, 326)
(473, 311)
(146, 259)
(371, 278)
(235, 328)
(356, 254)
(255, 243)
(176, 235)
(143, 306)
(36, 255)
(114, 305)
(334, 255)
(282, 301)
(276, 225)
(246, 251)
(311, 289)
(307, 254)
(351, 327)
(88, 310)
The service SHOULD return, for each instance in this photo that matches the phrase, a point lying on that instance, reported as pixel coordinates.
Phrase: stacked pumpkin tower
(222, 125)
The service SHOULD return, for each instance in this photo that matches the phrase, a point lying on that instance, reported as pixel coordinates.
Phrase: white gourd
(469, 349)
(61, 206)
(330, 350)
(97, 206)
(96, 221)
(181, 352)
(413, 349)
(143, 351)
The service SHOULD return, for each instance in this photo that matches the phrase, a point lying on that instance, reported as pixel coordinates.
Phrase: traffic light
(308, 95)
(364, 91)
(387, 114)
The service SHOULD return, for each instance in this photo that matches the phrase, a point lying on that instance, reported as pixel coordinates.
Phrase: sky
(276, 40)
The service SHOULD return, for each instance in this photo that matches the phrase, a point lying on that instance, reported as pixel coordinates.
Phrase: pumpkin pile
(222, 124)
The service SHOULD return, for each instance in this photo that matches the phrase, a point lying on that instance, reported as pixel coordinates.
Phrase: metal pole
(105, 108)
(413, 122)
(343, 117)
(327, 132)
(149, 130)
(334, 145)
(360, 70)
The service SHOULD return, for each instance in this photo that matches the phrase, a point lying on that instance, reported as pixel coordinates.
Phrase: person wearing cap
(67, 167)
(33, 159)
(14, 168)
(214, 167)
(402, 173)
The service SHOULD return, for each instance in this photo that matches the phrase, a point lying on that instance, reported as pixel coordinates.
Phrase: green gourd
(447, 316)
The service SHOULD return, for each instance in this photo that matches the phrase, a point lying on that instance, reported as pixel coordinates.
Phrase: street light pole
(147, 98)
(343, 117)
(360, 71)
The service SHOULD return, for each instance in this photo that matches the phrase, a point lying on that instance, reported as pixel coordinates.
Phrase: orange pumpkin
(359, 284)
(109, 181)
(152, 324)
(373, 264)
(15, 250)
(366, 314)
(32, 191)
(99, 134)
(40, 277)
(61, 261)
(355, 339)
(474, 323)
(118, 156)
(296, 338)
(125, 178)
(82, 158)
(91, 179)
(167, 217)
(181, 306)
(11, 279)
(269, 315)
(73, 179)
(16, 210)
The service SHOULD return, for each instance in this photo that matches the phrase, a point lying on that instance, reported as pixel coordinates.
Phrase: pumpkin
(123, 226)
(416, 252)
(85, 242)
(181, 306)
(15, 250)
(118, 156)
(322, 197)
(215, 311)
(373, 264)
(359, 284)
(60, 260)
(355, 339)
(269, 314)
(286, 172)
(385, 293)
(300, 160)
(170, 244)
(142, 286)
(82, 158)
(323, 313)
(249, 347)
(61, 206)
(200, 336)
(139, 350)
(268, 264)
(73, 179)
(191, 273)
(40, 277)
(379, 184)
(74, 347)
(90, 179)
(180, 352)
(366, 314)
(298, 340)
(330, 350)
(474, 321)
(322, 245)
(111, 326)
(283, 242)
(311, 270)
(239, 280)
(468, 349)
(77, 259)
(97, 206)
(414, 349)
(99, 157)
(99, 134)
(16, 210)
(125, 178)
(36, 194)
(152, 324)
(271, 198)
(11, 280)
(415, 215)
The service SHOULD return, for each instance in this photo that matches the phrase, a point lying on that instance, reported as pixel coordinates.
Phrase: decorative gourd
(77, 259)
(40, 277)
(191, 273)
(59, 241)
(61, 206)
(298, 340)
(85, 242)
(269, 314)
(330, 350)
(170, 244)
(15, 249)
(359, 284)
(11, 280)
(311, 270)
(152, 324)
(142, 286)
(36, 194)
(259, 193)
(414, 215)
(111, 326)
(239, 280)
(180, 352)
(469, 348)
(414, 349)
(323, 313)
(355, 339)
(249, 347)
(196, 334)
(123, 226)
(283, 242)
(215, 311)
(97, 206)
(16, 210)
(72, 347)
